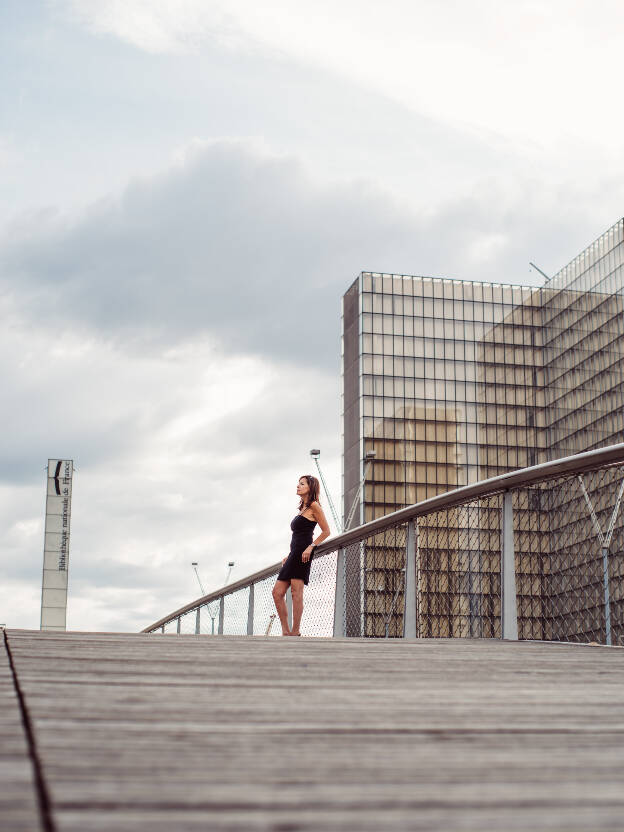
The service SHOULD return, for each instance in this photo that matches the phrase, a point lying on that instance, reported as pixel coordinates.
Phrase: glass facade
(451, 382)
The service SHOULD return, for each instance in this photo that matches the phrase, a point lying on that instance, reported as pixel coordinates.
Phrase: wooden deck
(173, 733)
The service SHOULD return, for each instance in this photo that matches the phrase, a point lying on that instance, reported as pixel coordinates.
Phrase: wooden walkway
(174, 733)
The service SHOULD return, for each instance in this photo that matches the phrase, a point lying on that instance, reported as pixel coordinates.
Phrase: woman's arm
(319, 516)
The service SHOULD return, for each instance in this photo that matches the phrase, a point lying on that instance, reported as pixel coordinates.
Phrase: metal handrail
(573, 465)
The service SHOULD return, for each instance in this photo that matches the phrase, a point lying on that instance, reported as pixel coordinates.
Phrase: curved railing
(534, 553)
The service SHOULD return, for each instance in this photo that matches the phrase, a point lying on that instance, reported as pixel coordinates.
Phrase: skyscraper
(451, 382)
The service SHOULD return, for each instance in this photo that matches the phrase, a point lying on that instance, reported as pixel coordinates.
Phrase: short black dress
(302, 533)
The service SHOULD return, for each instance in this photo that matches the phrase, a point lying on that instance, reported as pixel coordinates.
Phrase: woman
(295, 571)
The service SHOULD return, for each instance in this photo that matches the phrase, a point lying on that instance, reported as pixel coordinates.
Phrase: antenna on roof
(537, 268)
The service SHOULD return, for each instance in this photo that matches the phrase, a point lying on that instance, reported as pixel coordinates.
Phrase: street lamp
(315, 454)
(368, 458)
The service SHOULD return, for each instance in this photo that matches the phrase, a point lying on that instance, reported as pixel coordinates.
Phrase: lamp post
(195, 564)
(342, 527)
(369, 457)
(315, 454)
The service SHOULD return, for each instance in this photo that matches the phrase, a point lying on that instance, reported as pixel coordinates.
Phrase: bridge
(105, 731)
(536, 553)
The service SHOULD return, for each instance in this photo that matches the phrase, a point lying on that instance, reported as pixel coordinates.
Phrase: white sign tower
(56, 546)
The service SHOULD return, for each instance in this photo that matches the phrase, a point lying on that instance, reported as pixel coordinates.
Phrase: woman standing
(295, 571)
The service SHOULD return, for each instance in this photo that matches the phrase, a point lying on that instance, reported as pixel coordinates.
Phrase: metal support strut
(508, 577)
(289, 606)
(409, 616)
(250, 611)
(605, 542)
(339, 601)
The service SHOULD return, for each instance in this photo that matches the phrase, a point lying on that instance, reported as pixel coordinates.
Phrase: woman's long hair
(313, 493)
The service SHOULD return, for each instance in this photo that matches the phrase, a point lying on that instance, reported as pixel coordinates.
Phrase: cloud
(228, 242)
(8, 153)
(240, 246)
(158, 27)
(510, 69)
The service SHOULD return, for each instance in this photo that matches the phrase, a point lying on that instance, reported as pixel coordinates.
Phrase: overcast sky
(188, 187)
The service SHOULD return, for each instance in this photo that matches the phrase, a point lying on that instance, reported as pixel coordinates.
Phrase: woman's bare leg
(279, 593)
(296, 589)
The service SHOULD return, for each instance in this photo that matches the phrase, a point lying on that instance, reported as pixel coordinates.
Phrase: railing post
(339, 601)
(509, 614)
(250, 611)
(197, 622)
(409, 608)
(178, 626)
(607, 601)
(221, 614)
(289, 607)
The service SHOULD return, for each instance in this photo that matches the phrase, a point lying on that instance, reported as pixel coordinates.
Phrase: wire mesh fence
(570, 578)
(318, 618)
(459, 567)
(439, 574)
(265, 620)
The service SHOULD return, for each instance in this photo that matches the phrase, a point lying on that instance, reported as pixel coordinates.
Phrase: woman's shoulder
(315, 506)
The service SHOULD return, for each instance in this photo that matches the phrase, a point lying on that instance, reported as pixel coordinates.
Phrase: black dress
(302, 532)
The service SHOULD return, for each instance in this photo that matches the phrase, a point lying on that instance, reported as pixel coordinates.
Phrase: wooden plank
(193, 732)
(18, 801)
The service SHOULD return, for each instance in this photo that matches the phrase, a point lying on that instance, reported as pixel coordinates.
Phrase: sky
(187, 189)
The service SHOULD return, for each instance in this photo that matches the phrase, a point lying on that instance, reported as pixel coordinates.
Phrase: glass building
(452, 381)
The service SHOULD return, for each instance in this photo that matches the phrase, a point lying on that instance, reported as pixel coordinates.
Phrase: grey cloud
(230, 243)
(243, 246)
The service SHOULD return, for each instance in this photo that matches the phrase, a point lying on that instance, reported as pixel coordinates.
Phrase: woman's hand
(284, 560)
(305, 555)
